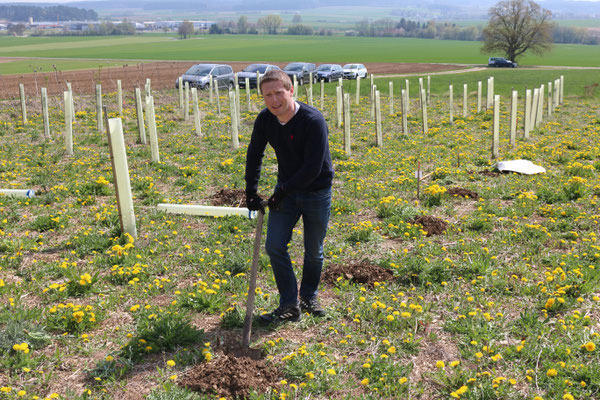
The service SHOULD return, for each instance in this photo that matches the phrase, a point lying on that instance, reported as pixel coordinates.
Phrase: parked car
(500, 62)
(250, 73)
(353, 71)
(199, 76)
(329, 72)
(302, 71)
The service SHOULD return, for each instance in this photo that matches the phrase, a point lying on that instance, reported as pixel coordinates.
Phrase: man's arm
(254, 156)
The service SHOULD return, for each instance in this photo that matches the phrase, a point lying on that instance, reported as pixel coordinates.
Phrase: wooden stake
(357, 90)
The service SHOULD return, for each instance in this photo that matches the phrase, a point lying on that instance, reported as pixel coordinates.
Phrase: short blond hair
(276, 75)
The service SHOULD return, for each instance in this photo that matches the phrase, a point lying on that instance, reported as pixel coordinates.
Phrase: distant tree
(165, 29)
(126, 28)
(516, 27)
(16, 29)
(299, 29)
(270, 23)
(185, 29)
(296, 19)
(215, 29)
(242, 24)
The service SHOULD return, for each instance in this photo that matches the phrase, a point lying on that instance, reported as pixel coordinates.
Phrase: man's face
(279, 100)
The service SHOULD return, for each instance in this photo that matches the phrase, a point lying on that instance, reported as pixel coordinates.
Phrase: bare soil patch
(231, 377)
(462, 192)
(358, 273)
(161, 73)
(432, 225)
(229, 197)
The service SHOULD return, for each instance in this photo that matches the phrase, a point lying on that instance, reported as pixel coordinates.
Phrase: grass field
(339, 49)
(503, 304)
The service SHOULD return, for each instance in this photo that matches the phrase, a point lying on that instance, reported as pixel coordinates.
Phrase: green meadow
(338, 49)
(500, 303)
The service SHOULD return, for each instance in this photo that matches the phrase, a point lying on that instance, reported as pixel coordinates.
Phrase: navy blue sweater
(302, 150)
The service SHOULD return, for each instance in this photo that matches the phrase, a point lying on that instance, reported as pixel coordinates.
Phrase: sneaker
(312, 306)
(282, 314)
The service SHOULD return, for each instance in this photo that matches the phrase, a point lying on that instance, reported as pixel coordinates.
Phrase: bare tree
(270, 23)
(185, 29)
(518, 26)
(242, 24)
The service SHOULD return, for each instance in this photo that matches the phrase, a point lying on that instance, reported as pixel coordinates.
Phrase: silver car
(199, 76)
(250, 73)
(353, 71)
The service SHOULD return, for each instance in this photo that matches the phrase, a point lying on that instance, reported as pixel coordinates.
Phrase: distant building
(174, 25)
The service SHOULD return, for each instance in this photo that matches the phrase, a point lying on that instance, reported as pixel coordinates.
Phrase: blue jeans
(314, 208)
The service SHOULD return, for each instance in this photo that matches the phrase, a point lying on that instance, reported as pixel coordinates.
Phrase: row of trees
(22, 13)
(406, 28)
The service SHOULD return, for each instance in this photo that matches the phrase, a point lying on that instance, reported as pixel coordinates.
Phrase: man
(298, 134)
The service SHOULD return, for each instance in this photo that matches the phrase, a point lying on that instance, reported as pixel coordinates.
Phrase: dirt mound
(462, 192)
(231, 377)
(229, 198)
(431, 225)
(357, 273)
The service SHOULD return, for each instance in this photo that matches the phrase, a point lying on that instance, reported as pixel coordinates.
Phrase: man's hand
(276, 198)
(253, 202)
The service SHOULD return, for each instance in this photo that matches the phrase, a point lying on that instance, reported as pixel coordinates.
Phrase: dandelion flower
(590, 346)
(440, 365)
(551, 373)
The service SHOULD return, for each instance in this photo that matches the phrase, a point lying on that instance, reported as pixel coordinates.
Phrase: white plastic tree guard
(99, 119)
(23, 104)
(151, 120)
(205, 211)
(45, 112)
(140, 115)
(121, 176)
(68, 124)
(197, 122)
(29, 193)
(391, 98)
(378, 129)
(496, 129)
(347, 138)
(119, 98)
